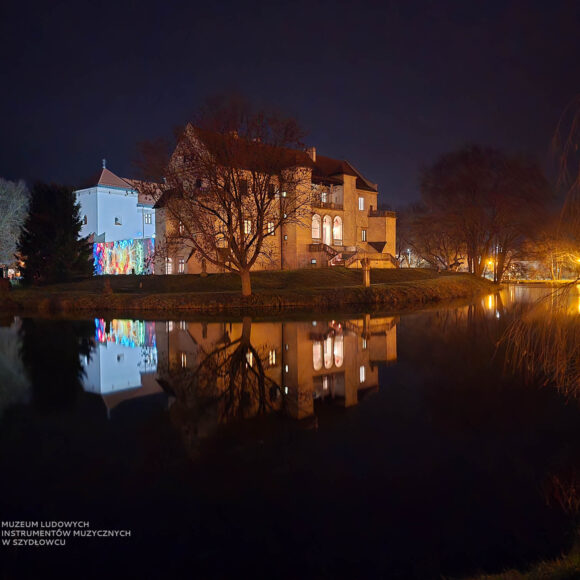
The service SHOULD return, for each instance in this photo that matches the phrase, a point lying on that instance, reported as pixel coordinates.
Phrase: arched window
(328, 352)
(317, 355)
(338, 350)
(337, 230)
(316, 224)
(327, 230)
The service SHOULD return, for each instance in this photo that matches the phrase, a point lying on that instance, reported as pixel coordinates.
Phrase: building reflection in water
(216, 372)
(124, 361)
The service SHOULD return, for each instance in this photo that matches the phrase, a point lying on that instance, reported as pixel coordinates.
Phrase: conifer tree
(49, 241)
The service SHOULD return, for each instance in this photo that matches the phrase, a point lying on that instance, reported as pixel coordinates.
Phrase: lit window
(168, 266)
(316, 225)
(361, 203)
(181, 265)
(272, 357)
(317, 355)
(337, 229)
(324, 196)
(247, 227)
(286, 368)
(284, 194)
(182, 325)
(363, 235)
(338, 350)
(118, 221)
(313, 261)
(325, 381)
(270, 228)
(362, 374)
(181, 228)
(328, 352)
(364, 343)
(170, 326)
(183, 360)
(148, 219)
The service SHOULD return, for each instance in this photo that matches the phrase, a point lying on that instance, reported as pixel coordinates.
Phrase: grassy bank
(565, 568)
(316, 289)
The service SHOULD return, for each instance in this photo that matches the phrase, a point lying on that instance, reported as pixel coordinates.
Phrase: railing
(326, 204)
(323, 248)
(382, 213)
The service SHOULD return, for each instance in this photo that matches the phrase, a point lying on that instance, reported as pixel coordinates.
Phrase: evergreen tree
(49, 240)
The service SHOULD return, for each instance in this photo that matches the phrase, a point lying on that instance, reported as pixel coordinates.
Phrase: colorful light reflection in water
(129, 333)
(124, 256)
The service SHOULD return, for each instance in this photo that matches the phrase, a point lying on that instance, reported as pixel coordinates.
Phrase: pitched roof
(108, 178)
(326, 168)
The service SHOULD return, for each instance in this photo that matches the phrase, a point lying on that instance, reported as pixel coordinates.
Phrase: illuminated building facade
(121, 222)
(341, 226)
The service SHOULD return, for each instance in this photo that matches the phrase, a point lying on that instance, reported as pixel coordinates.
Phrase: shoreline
(399, 296)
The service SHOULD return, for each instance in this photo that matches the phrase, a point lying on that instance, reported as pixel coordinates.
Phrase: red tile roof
(109, 179)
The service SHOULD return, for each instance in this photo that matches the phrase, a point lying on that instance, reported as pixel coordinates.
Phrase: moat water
(363, 446)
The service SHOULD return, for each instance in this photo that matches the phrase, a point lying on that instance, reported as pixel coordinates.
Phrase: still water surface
(369, 446)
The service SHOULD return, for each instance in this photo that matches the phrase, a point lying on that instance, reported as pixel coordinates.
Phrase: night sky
(387, 85)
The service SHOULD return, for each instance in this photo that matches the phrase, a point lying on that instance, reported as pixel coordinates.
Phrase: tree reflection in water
(227, 381)
(51, 353)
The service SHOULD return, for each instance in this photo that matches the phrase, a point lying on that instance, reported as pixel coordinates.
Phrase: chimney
(311, 151)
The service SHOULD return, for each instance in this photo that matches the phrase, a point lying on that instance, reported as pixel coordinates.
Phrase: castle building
(120, 220)
(342, 224)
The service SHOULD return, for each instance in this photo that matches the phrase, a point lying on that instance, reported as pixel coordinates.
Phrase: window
(324, 196)
(327, 230)
(338, 350)
(181, 228)
(272, 358)
(181, 265)
(247, 227)
(183, 360)
(148, 219)
(270, 229)
(337, 230)
(313, 261)
(316, 224)
(118, 221)
(364, 343)
(182, 325)
(361, 203)
(328, 352)
(168, 266)
(170, 326)
(363, 235)
(284, 194)
(85, 220)
(362, 374)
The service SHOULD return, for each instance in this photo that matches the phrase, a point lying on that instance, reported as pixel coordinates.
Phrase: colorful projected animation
(124, 256)
(130, 333)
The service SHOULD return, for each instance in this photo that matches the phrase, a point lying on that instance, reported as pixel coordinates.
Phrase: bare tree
(485, 199)
(235, 178)
(14, 200)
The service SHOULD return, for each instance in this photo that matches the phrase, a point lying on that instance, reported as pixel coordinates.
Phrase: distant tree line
(480, 209)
